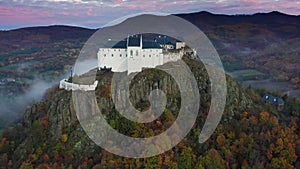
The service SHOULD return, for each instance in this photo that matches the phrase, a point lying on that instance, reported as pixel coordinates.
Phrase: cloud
(95, 13)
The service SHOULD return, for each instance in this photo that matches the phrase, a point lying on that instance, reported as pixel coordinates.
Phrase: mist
(12, 111)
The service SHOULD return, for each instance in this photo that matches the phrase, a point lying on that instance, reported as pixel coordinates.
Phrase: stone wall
(64, 84)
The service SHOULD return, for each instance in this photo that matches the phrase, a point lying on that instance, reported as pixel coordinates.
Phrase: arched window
(112, 55)
(120, 55)
(136, 53)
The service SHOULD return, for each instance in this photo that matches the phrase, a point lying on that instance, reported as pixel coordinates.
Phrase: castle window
(143, 55)
(149, 55)
(136, 53)
(120, 55)
(131, 53)
(112, 55)
(104, 55)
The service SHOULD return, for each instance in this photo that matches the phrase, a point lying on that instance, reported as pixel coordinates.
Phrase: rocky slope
(51, 136)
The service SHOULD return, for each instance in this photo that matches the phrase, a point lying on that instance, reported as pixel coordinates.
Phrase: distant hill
(34, 37)
(207, 18)
(268, 42)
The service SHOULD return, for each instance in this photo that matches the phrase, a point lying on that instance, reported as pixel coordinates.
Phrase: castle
(133, 54)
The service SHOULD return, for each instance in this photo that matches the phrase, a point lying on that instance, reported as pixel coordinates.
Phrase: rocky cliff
(46, 122)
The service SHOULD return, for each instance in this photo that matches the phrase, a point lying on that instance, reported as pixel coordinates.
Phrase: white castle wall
(151, 58)
(64, 84)
(132, 59)
(113, 58)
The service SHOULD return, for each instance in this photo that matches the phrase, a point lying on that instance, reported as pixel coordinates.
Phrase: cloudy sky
(96, 13)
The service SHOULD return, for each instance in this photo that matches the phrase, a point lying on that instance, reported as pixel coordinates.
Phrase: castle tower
(134, 49)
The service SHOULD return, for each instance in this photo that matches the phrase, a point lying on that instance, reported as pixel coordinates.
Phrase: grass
(248, 74)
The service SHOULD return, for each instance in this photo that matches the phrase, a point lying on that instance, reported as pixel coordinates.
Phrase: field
(248, 74)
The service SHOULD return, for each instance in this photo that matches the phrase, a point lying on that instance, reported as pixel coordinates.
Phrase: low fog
(13, 111)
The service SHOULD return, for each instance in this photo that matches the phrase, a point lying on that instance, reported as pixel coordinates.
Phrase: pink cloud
(87, 14)
(90, 12)
(250, 2)
(23, 14)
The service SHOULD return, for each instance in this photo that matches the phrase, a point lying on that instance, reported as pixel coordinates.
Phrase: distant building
(275, 101)
(10, 80)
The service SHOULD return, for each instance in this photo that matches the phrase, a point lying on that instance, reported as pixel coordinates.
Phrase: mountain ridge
(204, 13)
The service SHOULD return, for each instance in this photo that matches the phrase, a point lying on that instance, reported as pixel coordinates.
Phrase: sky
(96, 13)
